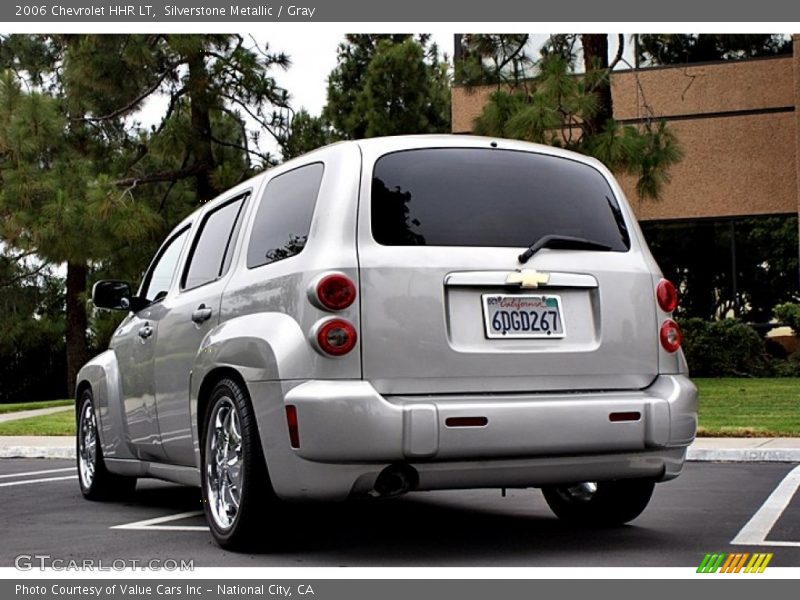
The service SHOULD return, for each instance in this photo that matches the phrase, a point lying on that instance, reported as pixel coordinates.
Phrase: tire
(95, 480)
(600, 504)
(237, 495)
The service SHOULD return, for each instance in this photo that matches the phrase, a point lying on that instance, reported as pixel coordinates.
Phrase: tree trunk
(201, 125)
(595, 56)
(77, 348)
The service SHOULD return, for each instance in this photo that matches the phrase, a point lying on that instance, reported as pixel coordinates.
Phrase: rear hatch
(447, 304)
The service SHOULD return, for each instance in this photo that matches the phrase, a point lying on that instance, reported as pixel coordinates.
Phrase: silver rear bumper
(349, 433)
(348, 421)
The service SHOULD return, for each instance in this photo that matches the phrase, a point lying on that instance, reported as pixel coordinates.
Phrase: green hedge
(722, 348)
(730, 348)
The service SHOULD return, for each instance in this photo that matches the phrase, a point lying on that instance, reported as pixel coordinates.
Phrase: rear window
(503, 198)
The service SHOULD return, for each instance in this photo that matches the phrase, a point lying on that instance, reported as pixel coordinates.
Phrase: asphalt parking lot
(708, 507)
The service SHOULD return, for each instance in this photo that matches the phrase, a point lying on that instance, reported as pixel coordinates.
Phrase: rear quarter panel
(102, 376)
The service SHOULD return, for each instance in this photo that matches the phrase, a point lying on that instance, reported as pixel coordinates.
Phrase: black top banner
(441, 11)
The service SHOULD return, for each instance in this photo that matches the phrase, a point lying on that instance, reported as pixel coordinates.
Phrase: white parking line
(155, 524)
(9, 475)
(42, 480)
(755, 532)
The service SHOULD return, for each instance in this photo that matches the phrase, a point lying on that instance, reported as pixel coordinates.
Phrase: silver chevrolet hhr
(392, 315)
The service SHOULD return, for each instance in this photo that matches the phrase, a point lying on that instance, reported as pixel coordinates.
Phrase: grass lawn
(60, 423)
(17, 406)
(733, 407)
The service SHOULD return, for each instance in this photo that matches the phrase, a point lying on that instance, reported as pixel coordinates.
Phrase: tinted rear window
(503, 198)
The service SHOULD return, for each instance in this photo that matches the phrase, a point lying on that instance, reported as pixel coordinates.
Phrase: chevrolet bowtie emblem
(528, 278)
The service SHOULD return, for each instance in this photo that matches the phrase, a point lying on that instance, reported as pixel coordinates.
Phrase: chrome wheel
(224, 463)
(87, 445)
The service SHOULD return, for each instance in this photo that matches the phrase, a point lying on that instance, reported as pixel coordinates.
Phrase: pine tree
(55, 200)
(382, 85)
(82, 184)
(545, 100)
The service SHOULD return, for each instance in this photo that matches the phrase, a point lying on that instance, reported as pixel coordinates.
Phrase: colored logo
(734, 563)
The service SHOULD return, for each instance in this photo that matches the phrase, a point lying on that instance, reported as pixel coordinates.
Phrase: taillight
(336, 337)
(291, 422)
(336, 292)
(670, 335)
(667, 295)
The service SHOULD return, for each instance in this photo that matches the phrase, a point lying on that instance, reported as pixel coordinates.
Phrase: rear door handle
(203, 313)
(146, 331)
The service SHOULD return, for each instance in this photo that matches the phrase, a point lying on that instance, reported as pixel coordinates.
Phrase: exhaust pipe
(395, 480)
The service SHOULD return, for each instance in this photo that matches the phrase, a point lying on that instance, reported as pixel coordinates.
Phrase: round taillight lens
(336, 337)
(670, 335)
(336, 292)
(667, 295)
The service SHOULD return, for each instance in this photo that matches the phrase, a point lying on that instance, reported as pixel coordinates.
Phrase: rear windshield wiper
(561, 242)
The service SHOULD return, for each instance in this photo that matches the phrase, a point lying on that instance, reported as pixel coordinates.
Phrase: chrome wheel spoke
(87, 445)
(224, 464)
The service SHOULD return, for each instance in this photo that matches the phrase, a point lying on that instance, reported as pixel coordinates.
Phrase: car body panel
(387, 401)
(135, 359)
(177, 352)
(409, 300)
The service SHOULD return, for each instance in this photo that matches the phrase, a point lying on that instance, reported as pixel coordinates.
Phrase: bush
(786, 367)
(723, 348)
(789, 313)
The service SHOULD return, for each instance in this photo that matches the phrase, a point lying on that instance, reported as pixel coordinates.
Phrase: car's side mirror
(116, 295)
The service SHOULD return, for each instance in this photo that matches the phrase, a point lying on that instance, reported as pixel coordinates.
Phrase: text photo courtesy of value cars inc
(444, 294)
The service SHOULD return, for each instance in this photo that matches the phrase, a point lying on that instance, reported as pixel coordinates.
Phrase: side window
(283, 220)
(157, 281)
(213, 245)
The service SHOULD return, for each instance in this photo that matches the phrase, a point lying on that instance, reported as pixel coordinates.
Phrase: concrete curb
(23, 446)
(788, 455)
(37, 452)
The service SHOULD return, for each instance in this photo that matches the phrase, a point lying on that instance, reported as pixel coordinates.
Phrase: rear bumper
(349, 433)
(348, 421)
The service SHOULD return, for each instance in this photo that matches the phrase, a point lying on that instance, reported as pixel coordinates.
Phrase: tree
(31, 329)
(546, 101)
(346, 82)
(307, 133)
(488, 59)
(382, 85)
(671, 49)
(214, 84)
(404, 93)
(54, 200)
(75, 163)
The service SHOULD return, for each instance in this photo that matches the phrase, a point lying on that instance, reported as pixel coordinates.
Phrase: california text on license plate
(522, 316)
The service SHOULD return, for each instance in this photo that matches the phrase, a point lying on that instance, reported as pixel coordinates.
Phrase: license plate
(522, 316)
